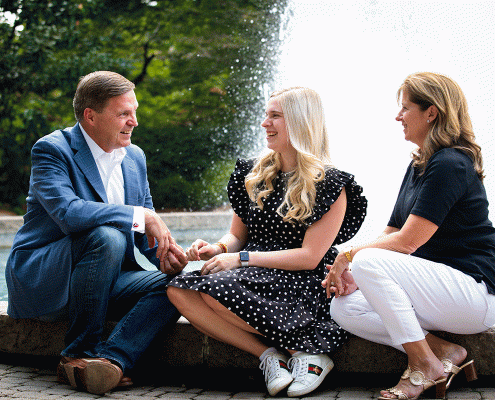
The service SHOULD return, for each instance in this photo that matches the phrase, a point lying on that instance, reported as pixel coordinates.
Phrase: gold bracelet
(348, 254)
(223, 247)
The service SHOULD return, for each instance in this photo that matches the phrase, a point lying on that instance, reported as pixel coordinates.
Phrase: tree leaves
(201, 69)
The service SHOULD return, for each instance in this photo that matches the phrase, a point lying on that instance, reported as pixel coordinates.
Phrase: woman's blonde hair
(452, 128)
(307, 133)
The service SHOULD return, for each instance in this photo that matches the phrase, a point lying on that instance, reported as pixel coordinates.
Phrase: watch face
(244, 256)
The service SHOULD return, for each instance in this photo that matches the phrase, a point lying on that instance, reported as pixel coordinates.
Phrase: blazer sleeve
(64, 192)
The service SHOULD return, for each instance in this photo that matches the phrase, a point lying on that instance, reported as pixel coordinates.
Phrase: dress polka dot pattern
(289, 308)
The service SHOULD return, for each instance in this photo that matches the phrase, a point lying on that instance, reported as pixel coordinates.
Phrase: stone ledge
(185, 226)
(174, 220)
(184, 346)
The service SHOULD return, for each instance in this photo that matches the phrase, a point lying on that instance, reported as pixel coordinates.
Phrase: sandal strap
(450, 367)
(417, 378)
(399, 393)
(407, 373)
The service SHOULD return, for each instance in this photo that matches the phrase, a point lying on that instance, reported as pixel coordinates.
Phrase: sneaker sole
(314, 385)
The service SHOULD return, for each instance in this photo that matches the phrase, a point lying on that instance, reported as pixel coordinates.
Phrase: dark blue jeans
(101, 289)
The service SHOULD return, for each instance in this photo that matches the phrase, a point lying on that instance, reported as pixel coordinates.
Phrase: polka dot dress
(289, 308)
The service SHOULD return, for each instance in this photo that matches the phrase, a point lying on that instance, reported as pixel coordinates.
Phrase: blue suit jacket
(66, 195)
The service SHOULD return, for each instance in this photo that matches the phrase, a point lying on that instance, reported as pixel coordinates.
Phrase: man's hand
(177, 260)
(172, 257)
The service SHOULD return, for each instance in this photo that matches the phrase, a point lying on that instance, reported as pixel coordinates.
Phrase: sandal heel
(441, 388)
(470, 371)
(453, 370)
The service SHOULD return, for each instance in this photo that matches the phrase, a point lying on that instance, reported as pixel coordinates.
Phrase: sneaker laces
(270, 367)
(299, 367)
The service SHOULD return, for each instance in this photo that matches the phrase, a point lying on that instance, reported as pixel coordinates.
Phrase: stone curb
(184, 346)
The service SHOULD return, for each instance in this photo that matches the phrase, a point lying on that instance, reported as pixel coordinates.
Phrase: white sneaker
(308, 372)
(277, 374)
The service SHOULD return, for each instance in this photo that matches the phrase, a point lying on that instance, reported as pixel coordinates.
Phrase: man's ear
(89, 115)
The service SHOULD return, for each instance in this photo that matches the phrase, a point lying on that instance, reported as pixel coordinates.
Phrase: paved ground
(30, 382)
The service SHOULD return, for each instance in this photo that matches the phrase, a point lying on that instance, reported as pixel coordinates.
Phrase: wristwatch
(347, 252)
(244, 256)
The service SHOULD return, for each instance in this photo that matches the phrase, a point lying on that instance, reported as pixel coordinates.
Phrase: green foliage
(201, 69)
(195, 176)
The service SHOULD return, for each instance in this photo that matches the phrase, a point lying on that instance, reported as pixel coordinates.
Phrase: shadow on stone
(183, 354)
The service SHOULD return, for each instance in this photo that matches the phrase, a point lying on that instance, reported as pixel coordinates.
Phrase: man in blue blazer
(88, 205)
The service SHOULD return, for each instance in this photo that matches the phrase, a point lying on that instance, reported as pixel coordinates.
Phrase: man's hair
(95, 89)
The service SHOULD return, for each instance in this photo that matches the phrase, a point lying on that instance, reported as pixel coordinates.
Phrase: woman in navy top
(433, 268)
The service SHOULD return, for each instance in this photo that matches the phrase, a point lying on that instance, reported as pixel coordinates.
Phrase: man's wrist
(138, 221)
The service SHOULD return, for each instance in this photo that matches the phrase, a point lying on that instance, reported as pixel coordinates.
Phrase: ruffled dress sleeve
(236, 188)
(328, 191)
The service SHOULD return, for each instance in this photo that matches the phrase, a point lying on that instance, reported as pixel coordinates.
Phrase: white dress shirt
(110, 168)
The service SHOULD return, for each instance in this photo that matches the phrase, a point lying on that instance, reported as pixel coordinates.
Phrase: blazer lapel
(130, 175)
(85, 161)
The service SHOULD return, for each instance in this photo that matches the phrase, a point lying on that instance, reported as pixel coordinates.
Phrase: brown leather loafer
(94, 375)
(125, 382)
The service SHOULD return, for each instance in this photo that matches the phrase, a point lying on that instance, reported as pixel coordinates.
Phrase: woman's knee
(340, 310)
(368, 262)
(177, 296)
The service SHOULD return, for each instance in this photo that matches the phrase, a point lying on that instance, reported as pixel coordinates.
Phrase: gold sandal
(417, 378)
(450, 368)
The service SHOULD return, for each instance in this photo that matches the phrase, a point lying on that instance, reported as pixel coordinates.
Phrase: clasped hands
(339, 281)
(216, 261)
(172, 257)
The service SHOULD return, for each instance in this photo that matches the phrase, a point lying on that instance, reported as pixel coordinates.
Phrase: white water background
(356, 54)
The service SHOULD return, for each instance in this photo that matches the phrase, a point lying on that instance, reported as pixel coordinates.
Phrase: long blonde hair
(452, 128)
(307, 133)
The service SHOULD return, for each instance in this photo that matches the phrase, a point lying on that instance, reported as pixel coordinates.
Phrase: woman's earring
(428, 120)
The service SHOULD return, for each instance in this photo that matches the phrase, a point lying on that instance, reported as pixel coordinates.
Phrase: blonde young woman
(263, 277)
(434, 266)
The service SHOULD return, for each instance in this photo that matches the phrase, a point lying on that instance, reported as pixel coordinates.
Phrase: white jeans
(401, 297)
